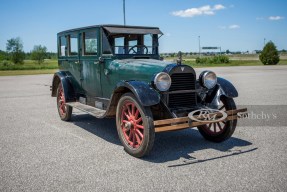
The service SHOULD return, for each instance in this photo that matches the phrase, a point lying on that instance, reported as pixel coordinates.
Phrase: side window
(63, 46)
(106, 45)
(120, 45)
(148, 43)
(90, 43)
(73, 45)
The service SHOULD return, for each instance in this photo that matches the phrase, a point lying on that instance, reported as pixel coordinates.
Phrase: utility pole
(124, 9)
(264, 42)
(199, 46)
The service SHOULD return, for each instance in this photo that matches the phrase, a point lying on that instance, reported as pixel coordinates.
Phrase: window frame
(69, 45)
(60, 46)
(83, 47)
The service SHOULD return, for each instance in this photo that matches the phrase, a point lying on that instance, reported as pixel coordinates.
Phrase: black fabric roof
(131, 30)
(121, 29)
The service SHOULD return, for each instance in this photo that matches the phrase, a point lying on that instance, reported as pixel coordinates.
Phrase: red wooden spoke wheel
(61, 101)
(220, 131)
(216, 128)
(65, 111)
(134, 125)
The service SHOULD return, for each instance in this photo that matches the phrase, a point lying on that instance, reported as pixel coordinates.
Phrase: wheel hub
(132, 125)
(129, 125)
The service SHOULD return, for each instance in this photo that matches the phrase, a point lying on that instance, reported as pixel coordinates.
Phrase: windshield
(133, 44)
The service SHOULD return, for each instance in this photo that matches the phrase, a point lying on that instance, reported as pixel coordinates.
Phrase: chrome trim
(183, 91)
(155, 80)
(202, 78)
(216, 100)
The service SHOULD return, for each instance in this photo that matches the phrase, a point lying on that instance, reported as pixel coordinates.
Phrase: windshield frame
(127, 50)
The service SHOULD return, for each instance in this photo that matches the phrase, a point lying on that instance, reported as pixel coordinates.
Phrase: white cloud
(204, 10)
(222, 27)
(229, 27)
(233, 27)
(259, 18)
(218, 7)
(275, 18)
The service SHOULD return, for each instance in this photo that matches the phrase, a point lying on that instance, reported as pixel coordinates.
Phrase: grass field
(235, 60)
(232, 63)
(27, 72)
(244, 57)
(50, 66)
(29, 65)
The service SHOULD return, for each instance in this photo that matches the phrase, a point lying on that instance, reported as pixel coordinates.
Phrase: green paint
(98, 74)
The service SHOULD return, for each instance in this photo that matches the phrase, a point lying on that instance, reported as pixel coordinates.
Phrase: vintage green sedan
(116, 71)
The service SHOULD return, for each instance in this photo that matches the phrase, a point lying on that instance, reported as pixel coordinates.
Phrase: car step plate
(88, 109)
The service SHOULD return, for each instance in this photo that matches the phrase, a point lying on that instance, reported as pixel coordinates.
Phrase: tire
(65, 111)
(135, 126)
(219, 132)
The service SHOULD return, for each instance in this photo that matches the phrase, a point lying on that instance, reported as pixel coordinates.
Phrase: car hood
(139, 69)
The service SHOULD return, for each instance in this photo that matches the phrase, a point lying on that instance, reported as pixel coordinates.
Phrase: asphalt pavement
(39, 152)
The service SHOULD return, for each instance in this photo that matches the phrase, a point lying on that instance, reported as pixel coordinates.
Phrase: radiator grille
(182, 81)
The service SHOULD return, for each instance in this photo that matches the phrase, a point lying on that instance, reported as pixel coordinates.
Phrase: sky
(236, 25)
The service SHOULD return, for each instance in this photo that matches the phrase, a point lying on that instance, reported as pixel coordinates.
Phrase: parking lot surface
(39, 152)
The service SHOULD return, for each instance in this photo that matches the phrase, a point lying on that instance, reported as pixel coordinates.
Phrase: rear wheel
(135, 126)
(220, 131)
(65, 111)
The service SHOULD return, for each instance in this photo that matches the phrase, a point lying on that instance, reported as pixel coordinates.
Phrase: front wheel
(220, 131)
(135, 126)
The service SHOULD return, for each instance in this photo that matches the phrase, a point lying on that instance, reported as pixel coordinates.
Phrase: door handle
(106, 72)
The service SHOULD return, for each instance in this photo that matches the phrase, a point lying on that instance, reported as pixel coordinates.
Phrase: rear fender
(62, 77)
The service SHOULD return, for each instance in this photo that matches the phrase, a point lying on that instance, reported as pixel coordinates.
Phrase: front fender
(62, 77)
(223, 88)
(228, 88)
(146, 95)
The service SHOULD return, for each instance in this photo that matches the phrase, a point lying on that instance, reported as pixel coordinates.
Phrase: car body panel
(63, 78)
(128, 70)
(146, 95)
(227, 87)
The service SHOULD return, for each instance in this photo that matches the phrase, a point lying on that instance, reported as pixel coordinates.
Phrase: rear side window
(73, 44)
(63, 46)
(90, 44)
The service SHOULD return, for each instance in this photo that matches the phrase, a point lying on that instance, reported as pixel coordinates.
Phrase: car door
(89, 59)
(73, 61)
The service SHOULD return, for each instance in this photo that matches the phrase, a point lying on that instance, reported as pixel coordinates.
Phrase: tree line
(15, 53)
(269, 55)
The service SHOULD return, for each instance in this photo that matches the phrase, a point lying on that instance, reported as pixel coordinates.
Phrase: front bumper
(185, 122)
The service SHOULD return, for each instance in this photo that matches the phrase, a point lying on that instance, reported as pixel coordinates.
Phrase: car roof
(107, 25)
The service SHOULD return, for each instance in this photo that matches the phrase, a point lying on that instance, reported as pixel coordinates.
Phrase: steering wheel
(139, 46)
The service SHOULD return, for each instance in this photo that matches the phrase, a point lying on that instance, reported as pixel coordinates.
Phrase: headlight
(208, 79)
(162, 81)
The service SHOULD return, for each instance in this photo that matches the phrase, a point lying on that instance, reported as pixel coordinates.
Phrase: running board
(99, 113)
